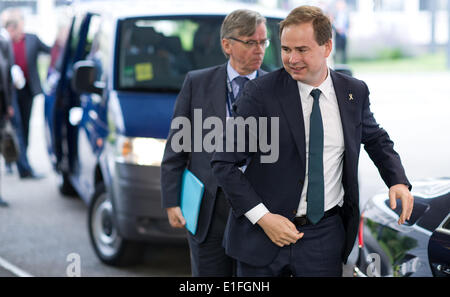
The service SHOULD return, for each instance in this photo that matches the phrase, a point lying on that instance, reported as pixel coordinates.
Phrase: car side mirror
(84, 78)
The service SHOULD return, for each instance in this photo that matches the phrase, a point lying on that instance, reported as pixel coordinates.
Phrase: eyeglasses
(252, 43)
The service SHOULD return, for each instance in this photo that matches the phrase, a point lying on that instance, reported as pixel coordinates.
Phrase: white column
(47, 18)
(365, 6)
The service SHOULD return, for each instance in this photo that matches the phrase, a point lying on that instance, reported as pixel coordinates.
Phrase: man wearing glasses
(213, 90)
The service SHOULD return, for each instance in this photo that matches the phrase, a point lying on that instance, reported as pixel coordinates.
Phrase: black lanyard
(230, 95)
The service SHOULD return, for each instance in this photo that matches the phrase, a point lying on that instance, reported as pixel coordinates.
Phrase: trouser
(341, 49)
(317, 253)
(23, 166)
(25, 103)
(208, 258)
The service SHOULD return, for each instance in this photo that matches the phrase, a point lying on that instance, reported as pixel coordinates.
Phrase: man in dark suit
(6, 88)
(299, 215)
(212, 91)
(26, 48)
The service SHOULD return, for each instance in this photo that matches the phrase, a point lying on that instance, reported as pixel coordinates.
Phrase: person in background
(213, 91)
(58, 46)
(341, 26)
(26, 47)
(6, 89)
(19, 82)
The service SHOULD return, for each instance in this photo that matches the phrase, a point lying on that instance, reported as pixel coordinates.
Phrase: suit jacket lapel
(346, 107)
(289, 98)
(218, 92)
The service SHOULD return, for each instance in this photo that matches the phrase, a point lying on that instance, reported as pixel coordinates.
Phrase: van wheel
(109, 246)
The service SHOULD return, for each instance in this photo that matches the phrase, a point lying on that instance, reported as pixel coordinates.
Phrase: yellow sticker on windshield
(143, 71)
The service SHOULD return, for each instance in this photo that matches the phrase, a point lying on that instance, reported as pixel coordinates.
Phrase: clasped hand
(279, 229)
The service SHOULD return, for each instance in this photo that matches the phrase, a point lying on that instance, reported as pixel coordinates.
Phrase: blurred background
(388, 35)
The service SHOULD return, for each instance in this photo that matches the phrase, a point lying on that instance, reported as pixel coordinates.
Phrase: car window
(156, 53)
(446, 225)
(94, 27)
(81, 47)
(100, 51)
(75, 32)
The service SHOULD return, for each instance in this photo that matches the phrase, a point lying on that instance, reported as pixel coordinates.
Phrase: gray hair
(11, 17)
(241, 22)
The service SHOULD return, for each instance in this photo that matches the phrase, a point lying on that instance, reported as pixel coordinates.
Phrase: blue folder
(191, 197)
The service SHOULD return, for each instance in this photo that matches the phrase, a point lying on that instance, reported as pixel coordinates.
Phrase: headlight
(140, 150)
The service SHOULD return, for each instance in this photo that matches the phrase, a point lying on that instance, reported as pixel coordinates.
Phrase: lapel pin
(350, 96)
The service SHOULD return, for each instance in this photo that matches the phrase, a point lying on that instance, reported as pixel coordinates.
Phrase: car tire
(110, 247)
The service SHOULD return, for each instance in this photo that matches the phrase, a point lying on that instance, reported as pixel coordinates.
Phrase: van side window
(100, 51)
(155, 53)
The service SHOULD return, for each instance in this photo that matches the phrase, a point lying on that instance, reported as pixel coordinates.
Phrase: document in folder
(191, 197)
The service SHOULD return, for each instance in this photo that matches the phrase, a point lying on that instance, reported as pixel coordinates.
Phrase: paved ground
(41, 228)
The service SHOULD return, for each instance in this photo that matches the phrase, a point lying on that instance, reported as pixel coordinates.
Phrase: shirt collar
(232, 74)
(326, 87)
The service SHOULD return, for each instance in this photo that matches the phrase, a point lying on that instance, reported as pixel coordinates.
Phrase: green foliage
(395, 61)
(391, 54)
(394, 244)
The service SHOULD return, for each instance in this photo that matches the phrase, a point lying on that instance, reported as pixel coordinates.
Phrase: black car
(420, 247)
(439, 249)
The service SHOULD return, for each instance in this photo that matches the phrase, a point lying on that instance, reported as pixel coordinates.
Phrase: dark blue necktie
(240, 81)
(315, 192)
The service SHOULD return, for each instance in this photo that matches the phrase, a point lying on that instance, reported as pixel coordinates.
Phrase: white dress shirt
(333, 151)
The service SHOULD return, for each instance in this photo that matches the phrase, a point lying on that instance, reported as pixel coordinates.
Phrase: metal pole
(433, 26)
(448, 40)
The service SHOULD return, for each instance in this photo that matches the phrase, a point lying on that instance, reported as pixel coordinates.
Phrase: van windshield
(156, 53)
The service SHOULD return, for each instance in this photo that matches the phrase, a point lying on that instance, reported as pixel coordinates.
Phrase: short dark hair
(310, 14)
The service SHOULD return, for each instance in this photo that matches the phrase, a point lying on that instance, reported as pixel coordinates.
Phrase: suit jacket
(6, 85)
(279, 185)
(203, 89)
(34, 46)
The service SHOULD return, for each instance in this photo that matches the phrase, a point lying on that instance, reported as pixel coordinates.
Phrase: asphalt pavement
(41, 229)
(6, 273)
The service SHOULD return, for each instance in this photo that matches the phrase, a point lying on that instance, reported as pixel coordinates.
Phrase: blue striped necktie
(315, 191)
(240, 81)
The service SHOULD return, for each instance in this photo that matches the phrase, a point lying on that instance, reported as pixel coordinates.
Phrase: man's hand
(175, 216)
(10, 112)
(279, 229)
(401, 192)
